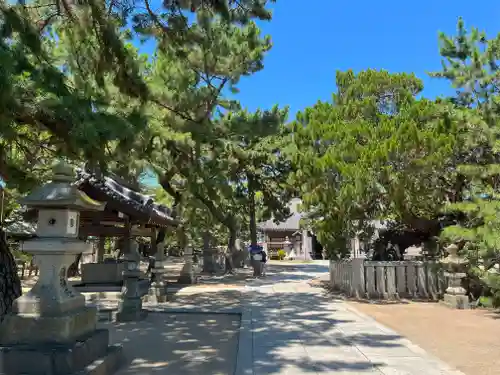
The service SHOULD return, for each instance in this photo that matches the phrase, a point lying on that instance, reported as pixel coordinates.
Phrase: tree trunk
(231, 250)
(253, 219)
(208, 257)
(10, 284)
(73, 268)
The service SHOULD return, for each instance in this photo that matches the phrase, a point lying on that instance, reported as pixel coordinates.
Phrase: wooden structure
(16, 231)
(287, 235)
(128, 213)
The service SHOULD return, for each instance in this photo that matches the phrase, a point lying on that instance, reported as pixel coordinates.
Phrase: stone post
(159, 285)
(160, 256)
(132, 255)
(358, 289)
(50, 329)
(187, 273)
(454, 267)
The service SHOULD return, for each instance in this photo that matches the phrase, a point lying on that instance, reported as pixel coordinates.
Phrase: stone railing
(387, 280)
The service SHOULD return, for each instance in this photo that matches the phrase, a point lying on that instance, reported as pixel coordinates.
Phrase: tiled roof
(17, 227)
(124, 199)
(292, 223)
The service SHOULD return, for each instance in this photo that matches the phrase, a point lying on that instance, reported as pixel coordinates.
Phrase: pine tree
(471, 65)
(374, 153)
(90, 98)
(258, 168)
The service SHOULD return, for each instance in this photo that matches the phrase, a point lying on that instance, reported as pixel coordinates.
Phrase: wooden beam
(114, 231)
(101, 230)
(142, 232)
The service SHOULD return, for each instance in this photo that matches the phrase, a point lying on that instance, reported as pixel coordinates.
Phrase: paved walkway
(290, 327)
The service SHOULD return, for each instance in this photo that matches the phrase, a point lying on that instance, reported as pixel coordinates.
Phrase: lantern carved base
(187, 278)
(455, 294)
(130, 310)
(188, 275)
(19, 329)
(158, 289)
(88, 354)
(130, 305)
(456, 301)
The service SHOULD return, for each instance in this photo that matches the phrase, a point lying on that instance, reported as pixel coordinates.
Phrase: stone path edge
(410, 345)
(244, 356)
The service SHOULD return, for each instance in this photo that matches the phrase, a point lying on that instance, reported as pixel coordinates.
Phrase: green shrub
(281, 254)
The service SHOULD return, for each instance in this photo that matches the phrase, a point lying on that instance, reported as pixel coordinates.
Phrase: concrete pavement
(286, 327)
(289, 327)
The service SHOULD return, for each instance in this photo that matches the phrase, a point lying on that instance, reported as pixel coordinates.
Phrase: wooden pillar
(100, 249)
(154, 247)
(126, 237)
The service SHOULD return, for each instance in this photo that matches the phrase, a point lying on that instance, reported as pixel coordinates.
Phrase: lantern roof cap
(61, 193)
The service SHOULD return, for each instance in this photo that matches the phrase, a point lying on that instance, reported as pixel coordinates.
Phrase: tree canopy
(76, 86)
(375, 152)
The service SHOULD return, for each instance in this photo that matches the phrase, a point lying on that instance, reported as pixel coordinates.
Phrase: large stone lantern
(50, 328)
(455, 267)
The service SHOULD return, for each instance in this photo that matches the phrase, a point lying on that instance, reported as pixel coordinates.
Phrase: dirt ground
(466, 339)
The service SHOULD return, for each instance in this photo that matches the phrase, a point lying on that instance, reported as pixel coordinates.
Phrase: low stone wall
(387, 280)
(103, 273)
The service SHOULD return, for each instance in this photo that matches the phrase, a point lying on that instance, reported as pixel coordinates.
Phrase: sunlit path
(278, 324)
(296, 329)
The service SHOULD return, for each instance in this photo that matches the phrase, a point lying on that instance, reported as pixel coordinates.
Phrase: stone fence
(388, 280)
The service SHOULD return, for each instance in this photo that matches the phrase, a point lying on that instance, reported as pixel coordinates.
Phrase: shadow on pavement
(167, 343)
(292, 333)
(276, 273)
(307, 333)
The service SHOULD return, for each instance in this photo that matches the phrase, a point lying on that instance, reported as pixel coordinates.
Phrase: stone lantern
(50, 328)
(288, 247)
(187, 275)
(130, 304)
(455, 267)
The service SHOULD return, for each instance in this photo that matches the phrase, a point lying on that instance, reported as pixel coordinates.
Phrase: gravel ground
(467, 339)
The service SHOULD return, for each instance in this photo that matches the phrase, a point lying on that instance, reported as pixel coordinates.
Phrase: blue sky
(313, 41)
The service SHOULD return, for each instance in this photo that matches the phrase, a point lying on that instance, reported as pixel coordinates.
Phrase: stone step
(106, 365)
